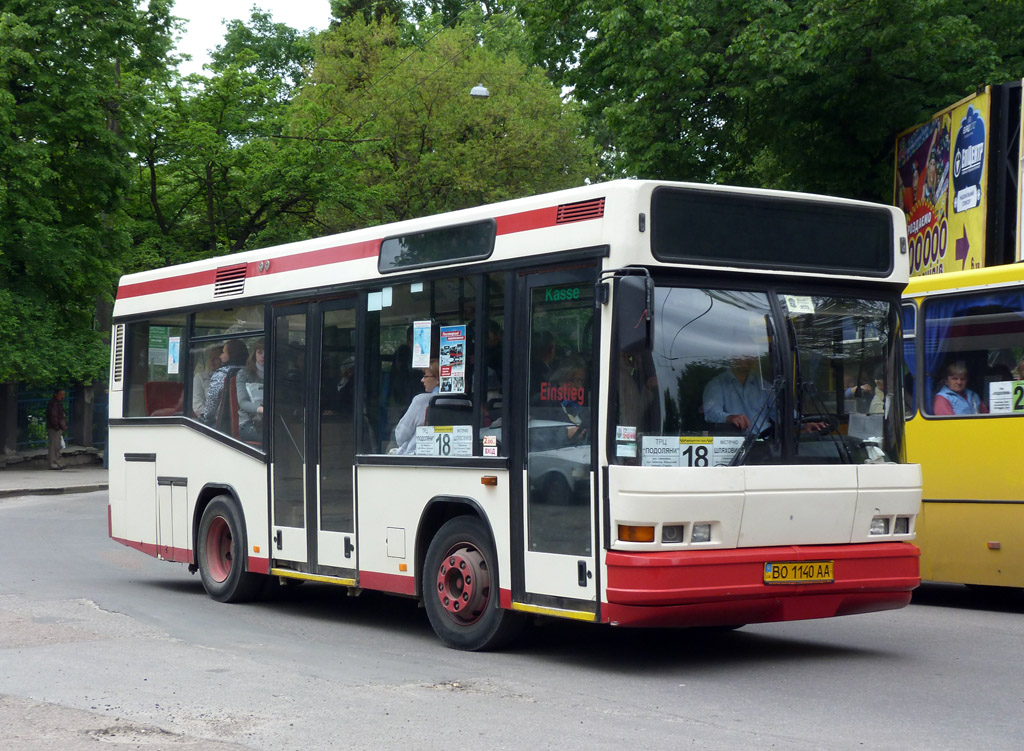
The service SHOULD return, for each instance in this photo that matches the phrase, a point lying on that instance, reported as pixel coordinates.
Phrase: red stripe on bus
(259, 565)
(299, 261)
(527, 220)
(402, 585)
(506, 225)
(167, 553)
(170, 284)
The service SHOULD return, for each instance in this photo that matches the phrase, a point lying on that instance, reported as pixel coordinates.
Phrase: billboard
(942, 187)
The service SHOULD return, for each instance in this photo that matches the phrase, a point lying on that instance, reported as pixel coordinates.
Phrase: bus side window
(971, 343)
(155, 376)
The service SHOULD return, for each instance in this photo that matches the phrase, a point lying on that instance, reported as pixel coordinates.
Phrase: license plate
(799, 572)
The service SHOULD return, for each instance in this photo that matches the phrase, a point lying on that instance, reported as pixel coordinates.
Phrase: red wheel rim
(463, 583)
(218, 550)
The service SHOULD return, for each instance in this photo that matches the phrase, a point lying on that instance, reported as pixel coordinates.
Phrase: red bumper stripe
(727, 586)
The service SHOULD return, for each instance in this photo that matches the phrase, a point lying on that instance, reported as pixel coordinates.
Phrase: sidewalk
(24, 473)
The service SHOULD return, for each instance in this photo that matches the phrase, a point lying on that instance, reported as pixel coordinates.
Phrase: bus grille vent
(117, 376)
(230, 280)
(580, 211)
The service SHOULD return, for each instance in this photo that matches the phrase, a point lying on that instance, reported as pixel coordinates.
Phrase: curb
(53, 491)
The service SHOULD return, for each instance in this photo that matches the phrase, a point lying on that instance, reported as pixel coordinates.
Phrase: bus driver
(736, 396)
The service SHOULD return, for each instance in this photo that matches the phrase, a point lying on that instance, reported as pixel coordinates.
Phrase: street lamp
(479, 91)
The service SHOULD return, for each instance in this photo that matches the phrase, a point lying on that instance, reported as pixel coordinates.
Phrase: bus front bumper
(727, 587)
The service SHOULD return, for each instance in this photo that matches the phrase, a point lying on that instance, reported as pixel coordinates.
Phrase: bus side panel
(391, 502)
(195, 459)
(971, 528)
(967, 458)
(972, 543)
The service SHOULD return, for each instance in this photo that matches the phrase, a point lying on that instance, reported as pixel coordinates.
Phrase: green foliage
(69, 85)
(423, 145)
(799, 94)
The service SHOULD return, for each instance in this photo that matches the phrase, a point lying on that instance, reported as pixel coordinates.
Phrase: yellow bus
(964, 342)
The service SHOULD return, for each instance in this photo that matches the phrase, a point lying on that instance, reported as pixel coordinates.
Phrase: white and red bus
(531, 408)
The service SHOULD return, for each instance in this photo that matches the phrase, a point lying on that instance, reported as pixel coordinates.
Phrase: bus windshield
(760, 377)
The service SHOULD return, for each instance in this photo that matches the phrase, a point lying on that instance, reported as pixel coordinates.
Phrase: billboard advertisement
(941, 185)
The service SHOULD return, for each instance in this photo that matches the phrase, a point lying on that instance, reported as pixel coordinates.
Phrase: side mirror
(634, 306)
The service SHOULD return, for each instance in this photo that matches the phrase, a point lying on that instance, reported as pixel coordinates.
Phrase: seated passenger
(736, 396)
(249, 390)
(879, 401)
(954, 398)
(232, 357)
(416, 414)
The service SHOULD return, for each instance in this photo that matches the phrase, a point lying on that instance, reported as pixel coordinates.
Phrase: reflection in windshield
(752, 377)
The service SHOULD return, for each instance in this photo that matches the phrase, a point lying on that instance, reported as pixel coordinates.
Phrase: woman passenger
(232, 357)
(954, 398)
(249, 390)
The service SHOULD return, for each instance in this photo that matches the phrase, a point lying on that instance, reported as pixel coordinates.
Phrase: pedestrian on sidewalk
(56, 424)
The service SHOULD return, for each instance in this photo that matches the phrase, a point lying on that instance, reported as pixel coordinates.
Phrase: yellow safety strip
(576, 615)
(288, 574)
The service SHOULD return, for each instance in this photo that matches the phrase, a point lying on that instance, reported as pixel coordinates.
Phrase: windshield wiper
(819, 411)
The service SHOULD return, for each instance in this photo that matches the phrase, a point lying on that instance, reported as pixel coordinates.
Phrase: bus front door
(559, 529)
(313, 438)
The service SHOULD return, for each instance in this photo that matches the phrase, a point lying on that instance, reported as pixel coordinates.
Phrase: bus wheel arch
(459, 579)
(221, 549)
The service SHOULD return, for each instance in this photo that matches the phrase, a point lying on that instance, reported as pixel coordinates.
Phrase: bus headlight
(902, 526)
(879, 525)
(672, 532)
(701, 533)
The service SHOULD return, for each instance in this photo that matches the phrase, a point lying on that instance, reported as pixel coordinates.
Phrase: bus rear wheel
(460, 588)
(222, 551)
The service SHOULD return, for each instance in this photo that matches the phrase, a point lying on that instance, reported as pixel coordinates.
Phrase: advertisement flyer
(941, 174)
(421, 344)
(453, 359)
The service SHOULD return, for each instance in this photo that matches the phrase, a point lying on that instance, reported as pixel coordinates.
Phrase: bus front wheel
(222, 551)
(460, 588)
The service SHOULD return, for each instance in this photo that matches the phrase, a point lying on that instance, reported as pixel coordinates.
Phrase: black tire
(460, 588)
(221, 551)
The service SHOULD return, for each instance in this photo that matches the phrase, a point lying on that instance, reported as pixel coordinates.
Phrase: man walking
(56, 424)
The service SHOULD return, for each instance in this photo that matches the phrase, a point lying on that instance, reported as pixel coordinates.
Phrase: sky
(204, 29)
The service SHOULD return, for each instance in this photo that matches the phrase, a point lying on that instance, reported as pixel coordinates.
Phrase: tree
(70, 79)
(403, 114)
(217, 171)
(801, 94)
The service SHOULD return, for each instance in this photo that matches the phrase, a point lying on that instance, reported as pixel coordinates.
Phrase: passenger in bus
(954, 398)
(336, 396)
(736, 396)
(879, 401)
(416, 414)
(232, 357)
(542, 357)
(249, 390)
(201, 379)
(562, 398)
(639, 404)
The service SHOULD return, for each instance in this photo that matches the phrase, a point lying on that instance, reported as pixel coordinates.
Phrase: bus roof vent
(117, 373)
(230, 280)
(580, 211)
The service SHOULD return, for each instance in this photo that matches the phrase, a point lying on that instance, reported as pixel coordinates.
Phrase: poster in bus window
(421, 344)
(941, 173)
(453, 360)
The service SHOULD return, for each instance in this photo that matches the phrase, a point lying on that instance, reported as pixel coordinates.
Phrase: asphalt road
(101, 644)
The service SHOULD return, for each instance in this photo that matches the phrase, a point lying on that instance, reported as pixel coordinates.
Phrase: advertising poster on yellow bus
(941, 172)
